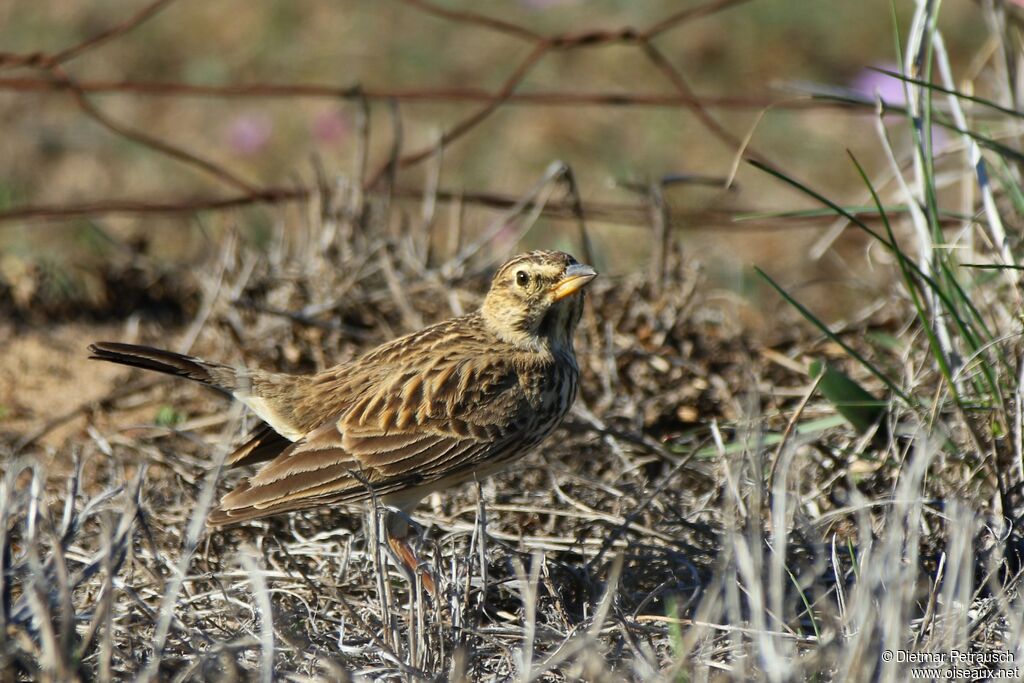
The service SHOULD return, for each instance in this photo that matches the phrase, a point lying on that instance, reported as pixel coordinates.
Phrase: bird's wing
(262, 444)
(416, 426)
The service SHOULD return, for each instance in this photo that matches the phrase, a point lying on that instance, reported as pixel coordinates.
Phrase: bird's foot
(399, 527)
(408, 560)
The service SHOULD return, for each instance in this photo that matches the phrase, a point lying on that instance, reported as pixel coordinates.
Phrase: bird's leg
(398, 529)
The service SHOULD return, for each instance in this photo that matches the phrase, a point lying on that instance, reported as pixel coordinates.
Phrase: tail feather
(219, 376)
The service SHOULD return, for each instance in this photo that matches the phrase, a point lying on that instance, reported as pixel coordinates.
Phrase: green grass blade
(946, 91)
(813, 319)
(862, 410)
(911, 283)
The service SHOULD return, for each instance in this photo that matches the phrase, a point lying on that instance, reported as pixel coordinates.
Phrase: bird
(452, 402)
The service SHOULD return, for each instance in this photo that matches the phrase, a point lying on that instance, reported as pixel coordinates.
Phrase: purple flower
(871, 83)
(330, 126)
(890, 89)
(248, 133)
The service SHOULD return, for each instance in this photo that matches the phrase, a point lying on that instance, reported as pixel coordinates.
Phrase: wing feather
(262, 444)
(401, 430)
(300, 484)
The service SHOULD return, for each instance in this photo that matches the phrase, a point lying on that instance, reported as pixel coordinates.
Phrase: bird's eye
(522, 278)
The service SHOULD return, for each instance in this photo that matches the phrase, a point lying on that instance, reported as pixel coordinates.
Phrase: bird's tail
(216, 375)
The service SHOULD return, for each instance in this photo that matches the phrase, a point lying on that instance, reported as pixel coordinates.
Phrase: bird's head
(536, 299)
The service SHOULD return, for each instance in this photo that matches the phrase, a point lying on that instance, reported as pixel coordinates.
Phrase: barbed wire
(55, 78)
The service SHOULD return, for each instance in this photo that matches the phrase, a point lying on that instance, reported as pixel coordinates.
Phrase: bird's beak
(573, 280)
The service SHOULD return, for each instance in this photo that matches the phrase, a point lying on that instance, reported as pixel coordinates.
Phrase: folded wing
(418, 426)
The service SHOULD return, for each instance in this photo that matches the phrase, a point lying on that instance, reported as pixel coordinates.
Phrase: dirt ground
(44, 374)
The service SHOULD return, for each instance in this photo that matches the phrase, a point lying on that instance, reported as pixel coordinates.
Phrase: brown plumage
(456, 400)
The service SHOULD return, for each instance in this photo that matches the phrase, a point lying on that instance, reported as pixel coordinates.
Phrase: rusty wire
(55, 78)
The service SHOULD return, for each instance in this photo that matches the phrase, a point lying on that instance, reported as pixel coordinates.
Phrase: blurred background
(751, 64)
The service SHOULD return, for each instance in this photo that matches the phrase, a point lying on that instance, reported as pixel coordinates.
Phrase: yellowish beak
(573, 280)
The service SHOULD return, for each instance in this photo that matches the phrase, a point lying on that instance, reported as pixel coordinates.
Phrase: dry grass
(705, 513)
(674, 528)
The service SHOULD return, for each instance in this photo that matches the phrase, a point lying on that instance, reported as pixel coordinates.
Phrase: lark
(426, 412)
